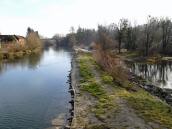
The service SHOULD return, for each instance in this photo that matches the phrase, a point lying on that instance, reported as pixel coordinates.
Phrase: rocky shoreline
(113, 105)
(72, 120)
(72, 93)
(72, 83)
(163, 94)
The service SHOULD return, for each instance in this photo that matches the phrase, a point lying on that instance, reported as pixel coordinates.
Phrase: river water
(33, 90)
(159, 74)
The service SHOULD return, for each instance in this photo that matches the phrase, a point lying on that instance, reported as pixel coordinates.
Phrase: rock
(149, 87)
(168, 90)
(71, 91)
(169, 98)
(70, 119)
(72, 102)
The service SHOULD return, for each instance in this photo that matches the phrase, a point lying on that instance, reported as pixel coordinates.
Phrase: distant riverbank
(19, 54)
(136, 57)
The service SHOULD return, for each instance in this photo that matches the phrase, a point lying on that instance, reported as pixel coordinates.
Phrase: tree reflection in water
(160, 73)
(30, 60)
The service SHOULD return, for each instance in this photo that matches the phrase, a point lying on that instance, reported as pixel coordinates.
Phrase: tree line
(82, 37)
(153, 37)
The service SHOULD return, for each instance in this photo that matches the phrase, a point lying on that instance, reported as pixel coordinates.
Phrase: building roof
(20, 37)
(7, 38)
(10, 38)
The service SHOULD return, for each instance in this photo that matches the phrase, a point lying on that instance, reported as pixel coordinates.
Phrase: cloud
(57, 16)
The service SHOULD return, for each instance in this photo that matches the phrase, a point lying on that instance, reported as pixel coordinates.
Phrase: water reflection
(160, 74)
(30, 60)
(33, 90)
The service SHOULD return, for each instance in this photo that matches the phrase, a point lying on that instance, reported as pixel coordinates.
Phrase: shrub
(111, 64)
(1, 55)
(33, 41)
(19, 54)
(93, 88)
(107, 79)
(10, 56)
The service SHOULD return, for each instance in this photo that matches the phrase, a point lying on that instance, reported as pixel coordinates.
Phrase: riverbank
(19, 54)
(136, 57)
(101, 103)
(150, 73)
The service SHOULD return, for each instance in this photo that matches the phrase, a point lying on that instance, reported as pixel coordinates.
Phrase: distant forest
(153, 37)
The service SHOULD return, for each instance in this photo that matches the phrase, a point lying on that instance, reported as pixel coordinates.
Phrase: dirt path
(115, 113)
(83, 103)
(125, 116)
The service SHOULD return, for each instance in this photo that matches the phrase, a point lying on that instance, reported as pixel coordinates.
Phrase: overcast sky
(57, 16)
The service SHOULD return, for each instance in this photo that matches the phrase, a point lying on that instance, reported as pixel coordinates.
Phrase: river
(159, 74)
(33, 90)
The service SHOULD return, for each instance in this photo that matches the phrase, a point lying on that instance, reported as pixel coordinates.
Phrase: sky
(50, 17)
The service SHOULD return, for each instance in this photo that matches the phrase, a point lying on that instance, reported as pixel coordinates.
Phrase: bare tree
(149, 30)
(121, 28)
(166, 26)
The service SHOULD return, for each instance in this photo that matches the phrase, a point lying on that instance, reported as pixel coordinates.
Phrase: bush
(111, 64)
(33, 41)
(107, 79)
(1, 55)
(93, 88)
(19, 54)
(10, 56)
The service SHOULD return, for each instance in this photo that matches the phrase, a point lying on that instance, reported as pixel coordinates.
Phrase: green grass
(105, 104)
(89, 84)
(149, 107)
(107, 79)
(87, 81)
(93, 88)
(146, 105)
(84, 68)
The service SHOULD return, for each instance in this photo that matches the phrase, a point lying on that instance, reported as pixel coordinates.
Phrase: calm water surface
(33, 90)
(160, 74)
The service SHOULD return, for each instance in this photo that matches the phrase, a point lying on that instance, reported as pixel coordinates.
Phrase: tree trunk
(119, 47)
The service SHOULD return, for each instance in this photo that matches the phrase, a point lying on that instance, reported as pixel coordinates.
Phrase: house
(7, 41)
(20, 40)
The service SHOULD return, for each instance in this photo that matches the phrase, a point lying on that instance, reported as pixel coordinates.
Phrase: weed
(107, 79)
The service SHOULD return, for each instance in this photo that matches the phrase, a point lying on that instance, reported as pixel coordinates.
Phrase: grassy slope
(146, 105)
(89, 84)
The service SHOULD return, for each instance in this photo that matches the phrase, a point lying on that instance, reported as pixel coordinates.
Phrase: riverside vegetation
(151, 41)
(32, 45)
(112, 102)
(106, 97)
